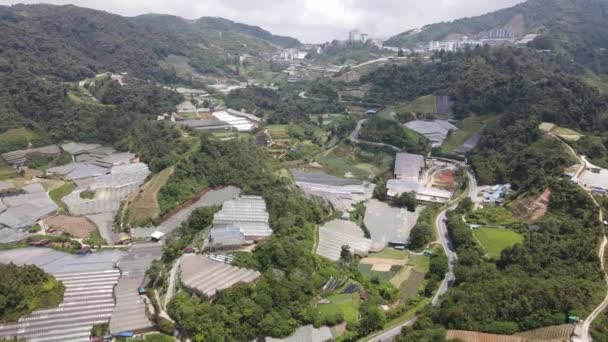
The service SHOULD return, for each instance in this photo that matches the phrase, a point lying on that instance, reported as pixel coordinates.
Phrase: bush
(166, 326)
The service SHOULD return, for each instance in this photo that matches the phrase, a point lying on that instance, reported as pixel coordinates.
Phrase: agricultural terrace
(495, 240)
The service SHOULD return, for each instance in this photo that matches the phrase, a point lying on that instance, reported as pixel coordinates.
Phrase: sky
(311, 21)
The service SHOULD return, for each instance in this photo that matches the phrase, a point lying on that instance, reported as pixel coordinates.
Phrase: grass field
(15, 139)
(348, 304)
(492, 216)
(7, 171)
(145, 206)
(410, 287)
(57, 194)
(495, 240)
(391, 253)
(562, 132)
(360, 163)
(422, 104)
(601, 83)
(468, 127)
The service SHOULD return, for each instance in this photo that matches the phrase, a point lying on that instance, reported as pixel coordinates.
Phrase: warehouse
(337, 233)
(397, 187)
(248, 214)
(342, 193)
(207, 277)
(408, 166)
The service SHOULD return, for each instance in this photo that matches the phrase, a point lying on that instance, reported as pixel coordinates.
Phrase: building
(337, 233)
(408, 166)
(225, 238)
(356, 36)
(21, 157)
(342, 193)
(434, 130)
(248, 214)
(397, 187)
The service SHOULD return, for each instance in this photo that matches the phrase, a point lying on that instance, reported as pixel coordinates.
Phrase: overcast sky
(311, 21)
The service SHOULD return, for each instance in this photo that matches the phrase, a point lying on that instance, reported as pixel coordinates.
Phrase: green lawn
(349, 304)
(495, 240)
(422, 104)
(421, 263)
(468, 127)
(492, 216)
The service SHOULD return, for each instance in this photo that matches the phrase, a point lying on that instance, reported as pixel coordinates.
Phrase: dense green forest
(518, 153)
(24, 289)
(286, 107)
(554, 273)
(576, 27)
(518, 82)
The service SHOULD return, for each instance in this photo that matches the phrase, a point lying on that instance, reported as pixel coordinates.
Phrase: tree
(346, 256)
(401, 53)
(406, 200)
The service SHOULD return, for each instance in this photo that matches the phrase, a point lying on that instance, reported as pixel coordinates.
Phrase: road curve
(444, 238)
(354, 137)
(581, 333)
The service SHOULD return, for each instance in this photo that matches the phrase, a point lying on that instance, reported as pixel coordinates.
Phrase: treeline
(554, 273)
(517, 82)
(24, 289)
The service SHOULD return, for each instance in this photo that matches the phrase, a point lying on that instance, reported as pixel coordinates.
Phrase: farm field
(495, 240)
(553, 333)
(345, 303)
(422, 104)
(473, 336)
(145, 206)
(492, 216)
(355, 161)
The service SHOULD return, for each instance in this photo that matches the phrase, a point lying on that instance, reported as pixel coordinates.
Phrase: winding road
(354, 137)
(444, 239)
(581, 333)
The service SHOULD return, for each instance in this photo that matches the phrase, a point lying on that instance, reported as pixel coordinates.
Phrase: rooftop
(337, 233)
(408, 166)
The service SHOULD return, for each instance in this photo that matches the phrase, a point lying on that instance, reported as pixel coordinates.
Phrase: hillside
(576, 26)
(70, 43)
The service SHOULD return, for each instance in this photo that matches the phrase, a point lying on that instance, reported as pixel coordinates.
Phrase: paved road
(448, 247)
(581, 333)
(354, 137)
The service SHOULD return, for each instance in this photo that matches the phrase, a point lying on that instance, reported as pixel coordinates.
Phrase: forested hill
(576, 26)
(70, 43)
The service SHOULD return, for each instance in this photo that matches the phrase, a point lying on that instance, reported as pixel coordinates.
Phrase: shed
(157, 236)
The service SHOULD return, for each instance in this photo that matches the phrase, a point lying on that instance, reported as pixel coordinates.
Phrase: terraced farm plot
(145, 206)
(553, 333)
(473, 336)
(495, 240)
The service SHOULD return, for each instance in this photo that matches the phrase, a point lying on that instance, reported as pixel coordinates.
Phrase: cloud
(308, 20)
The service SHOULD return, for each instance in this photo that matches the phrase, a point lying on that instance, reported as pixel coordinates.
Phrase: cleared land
(7, 171)
(495, 240)
(422, 104)
(145, 206)
(467, 129)
(562, 132)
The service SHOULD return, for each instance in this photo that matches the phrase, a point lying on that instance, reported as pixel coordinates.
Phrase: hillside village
(357, 190)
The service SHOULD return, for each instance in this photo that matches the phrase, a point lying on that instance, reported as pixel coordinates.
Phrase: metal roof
(226, 236)
(408, 165)
(323, 178)
(337, 233)
(248, 213)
